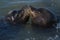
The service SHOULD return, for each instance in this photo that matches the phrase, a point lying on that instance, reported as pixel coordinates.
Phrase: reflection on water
(27, 32)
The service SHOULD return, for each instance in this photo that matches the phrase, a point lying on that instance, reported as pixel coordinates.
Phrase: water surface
(27, 32)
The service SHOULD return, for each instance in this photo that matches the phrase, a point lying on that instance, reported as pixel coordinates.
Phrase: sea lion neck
(29, 10)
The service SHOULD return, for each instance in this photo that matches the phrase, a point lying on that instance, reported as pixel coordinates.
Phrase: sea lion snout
(11, 17)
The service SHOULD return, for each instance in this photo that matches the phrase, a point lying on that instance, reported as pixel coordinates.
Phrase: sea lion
(41, 16)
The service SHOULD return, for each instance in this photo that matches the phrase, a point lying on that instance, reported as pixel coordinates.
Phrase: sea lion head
(12, 15)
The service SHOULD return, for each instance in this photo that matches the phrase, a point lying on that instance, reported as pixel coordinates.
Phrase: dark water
(27, 32)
